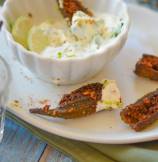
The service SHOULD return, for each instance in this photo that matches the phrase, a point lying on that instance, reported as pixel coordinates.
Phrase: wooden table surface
(18, 145)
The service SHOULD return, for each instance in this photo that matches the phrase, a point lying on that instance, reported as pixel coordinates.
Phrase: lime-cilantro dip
(111, 97)
(84, 36)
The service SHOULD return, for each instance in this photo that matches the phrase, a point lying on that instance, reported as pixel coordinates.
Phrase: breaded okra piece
(84, 101)
(69, 7)
(142, 113)
(147, 67)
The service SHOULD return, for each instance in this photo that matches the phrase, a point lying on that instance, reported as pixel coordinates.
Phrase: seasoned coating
(147, 67)
(142, 113)
(69, 7)
(79, 103)
(80, 107)
(93, 91)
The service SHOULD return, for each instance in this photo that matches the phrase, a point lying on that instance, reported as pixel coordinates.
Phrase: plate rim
(75, 136)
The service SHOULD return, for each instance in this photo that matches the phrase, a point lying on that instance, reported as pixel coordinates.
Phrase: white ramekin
(72, 70)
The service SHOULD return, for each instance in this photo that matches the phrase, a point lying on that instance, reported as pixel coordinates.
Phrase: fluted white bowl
(69, 71)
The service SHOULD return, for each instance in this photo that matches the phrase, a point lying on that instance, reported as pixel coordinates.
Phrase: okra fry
(147, 67)
(93, 91)
(142, 113)
(69, 7)
(79, 108)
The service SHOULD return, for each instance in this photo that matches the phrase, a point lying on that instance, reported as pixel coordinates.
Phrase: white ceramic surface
(103, 127)
(69, 71)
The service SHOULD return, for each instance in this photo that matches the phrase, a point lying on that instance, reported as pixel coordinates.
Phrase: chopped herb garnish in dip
(59, 55)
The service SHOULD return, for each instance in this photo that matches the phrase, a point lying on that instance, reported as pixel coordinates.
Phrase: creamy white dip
(84, 37)
(111, 97)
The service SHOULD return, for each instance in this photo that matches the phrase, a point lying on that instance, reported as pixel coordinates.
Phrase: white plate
(103, 127)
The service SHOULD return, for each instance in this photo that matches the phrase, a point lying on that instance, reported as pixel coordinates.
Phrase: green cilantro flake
(60, 55)
(117, 30)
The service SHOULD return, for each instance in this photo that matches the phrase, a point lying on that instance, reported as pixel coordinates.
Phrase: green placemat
(1, 2)
(90, 152)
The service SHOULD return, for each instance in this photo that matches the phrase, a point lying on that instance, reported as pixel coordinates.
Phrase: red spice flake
(46, 108)
(16, 101)
(30, 15)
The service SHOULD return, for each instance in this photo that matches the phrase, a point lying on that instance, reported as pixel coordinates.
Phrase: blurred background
(148, 3)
